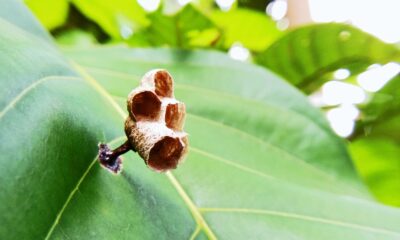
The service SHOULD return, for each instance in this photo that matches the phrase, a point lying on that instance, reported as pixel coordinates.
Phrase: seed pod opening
(159, 81)
(165, 154)
(175, 116)
(144, 106)
(163, 83)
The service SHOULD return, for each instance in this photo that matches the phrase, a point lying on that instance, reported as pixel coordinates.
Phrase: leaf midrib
(74, 190)
(299, 217)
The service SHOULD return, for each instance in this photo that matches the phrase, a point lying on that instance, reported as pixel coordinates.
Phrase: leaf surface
(242, 179)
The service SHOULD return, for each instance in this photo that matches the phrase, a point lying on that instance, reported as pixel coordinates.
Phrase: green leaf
(185, 29)
(377, 160)
(305, 55)
(77, 38)
(51, 13)
(173, 6)
(119, 18)
(384, 105)
(260, 158)
(376, 144)
(254, 30)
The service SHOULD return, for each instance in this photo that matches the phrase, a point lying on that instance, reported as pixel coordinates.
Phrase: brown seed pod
(154, 126)
(160, 147)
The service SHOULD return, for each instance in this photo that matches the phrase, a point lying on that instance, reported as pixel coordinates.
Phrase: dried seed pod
(154, 126)
(160, 147)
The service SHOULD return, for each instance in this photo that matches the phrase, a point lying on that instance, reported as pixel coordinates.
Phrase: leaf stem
(110, 159)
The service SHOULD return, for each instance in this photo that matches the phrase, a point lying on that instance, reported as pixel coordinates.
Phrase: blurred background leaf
(376, 143)
(76, 38)
(185, 29)
(118, 18)
(307, 54)
(256, 31)
(383, 106)
(377, 160)
(50, 13)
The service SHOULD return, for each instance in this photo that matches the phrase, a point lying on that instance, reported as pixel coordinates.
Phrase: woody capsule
(154, 126)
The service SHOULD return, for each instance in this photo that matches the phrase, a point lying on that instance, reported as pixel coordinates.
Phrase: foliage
(377, 159)
(187, 28)
(192, 26)
(118, 18)
(375, 149)
(252, 29)
(260, 155)
(305, 56)
(50, 19)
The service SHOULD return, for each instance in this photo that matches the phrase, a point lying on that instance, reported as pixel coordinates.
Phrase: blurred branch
(298, 12)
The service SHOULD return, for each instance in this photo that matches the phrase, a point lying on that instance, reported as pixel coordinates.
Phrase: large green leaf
(305, 55)
(262, 163)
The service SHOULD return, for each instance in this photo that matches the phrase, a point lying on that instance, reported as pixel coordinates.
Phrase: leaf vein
(74, 190)
(29, 88)
(195, 233)
(300, 217)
